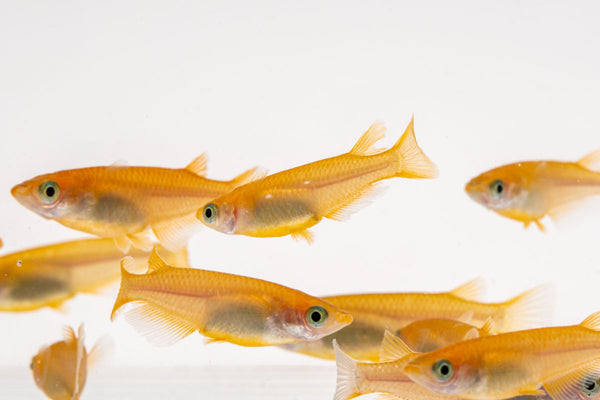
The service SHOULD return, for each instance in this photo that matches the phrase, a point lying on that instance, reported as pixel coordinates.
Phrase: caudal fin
(347, 373)
(412, 162)
(530, 309)
(123, 296)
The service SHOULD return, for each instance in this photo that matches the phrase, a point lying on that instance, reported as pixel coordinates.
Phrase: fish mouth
(19, 191)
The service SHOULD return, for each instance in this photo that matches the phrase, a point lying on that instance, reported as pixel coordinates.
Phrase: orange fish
(60, 369)
(121, 202)
(290, 202)
(512, 364)
(171, 303)
(529, 190)
(374, 313)
(49, 275)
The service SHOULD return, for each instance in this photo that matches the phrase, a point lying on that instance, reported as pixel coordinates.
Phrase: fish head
(443, 373)
(220, 216)
(313, 320)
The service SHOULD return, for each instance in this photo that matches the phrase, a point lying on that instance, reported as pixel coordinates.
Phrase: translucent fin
(69, 334)
(252, 174)
(118, 164)
(393, 348)
(355, 202)
(175, 233)
(591, 161)
(157, 326)
(179, 259)
(592, 322)
(103, 348)
(472, 333)
(155, 262)
(123, 296)
(364, 146)
(488, 328)
(80, 355)
(123, 244)
(303, 235)
(142, 241)
(540, 226)
(472, 290)
(531, 391)
(347, 375)
(571, 385)
(412, 162)
(528, 310)
(198, 165)
(213, 340)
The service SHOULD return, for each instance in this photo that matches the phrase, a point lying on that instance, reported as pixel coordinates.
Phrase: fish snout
(19, 191)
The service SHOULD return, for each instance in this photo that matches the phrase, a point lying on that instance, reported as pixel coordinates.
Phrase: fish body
(60, 369)
(171, 303)
(514, 363)
(374, 313)
(291, 201)
(121, 202)
(49, 275)
(528, 191)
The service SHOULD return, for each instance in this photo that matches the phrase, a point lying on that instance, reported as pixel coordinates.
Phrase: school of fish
(409, 346)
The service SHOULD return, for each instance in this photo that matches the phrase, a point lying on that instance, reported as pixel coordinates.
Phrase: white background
(277, 84)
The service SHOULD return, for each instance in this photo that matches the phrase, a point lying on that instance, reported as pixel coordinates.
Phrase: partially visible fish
(171, 303)
(49, 275)
(527, 191)
(291, 201)
(123, 202)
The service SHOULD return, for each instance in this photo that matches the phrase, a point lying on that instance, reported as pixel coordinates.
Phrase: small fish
(374, 313)
(60, 369)
(122, 202)
(529, 190)
(291, 201)
(49, 275)
(171, 303)
(514, 363)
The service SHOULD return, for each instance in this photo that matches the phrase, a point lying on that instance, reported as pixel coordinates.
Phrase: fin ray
(570, 386)
(527, 310)
(472, 290)
(347, 375)
(355, 202)
(412, 161)
(591, 161)
(303, 235)
(393, 348)
(175, 233)
(198, 165)
(364, 145)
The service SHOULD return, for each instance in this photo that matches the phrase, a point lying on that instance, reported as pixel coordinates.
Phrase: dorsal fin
(128, 263)
(69, 334)
(198, 165)
(591, 161)
(155, 262)
(393, 348)
(592, 322)
(488, 328)
(471, 290)
(364, 146)
(472, 333)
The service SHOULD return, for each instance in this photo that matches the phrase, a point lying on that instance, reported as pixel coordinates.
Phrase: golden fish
(171, 303)
(374, 313)
(515, 363)
(529, 190)
(291, 201)
(121, 202)
(49, 275)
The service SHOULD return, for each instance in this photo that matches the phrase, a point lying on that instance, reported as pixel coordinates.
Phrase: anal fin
(303, 235)
(355, 201)
(175, 233)
(393, 348)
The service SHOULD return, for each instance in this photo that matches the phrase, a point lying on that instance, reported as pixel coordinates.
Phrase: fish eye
(590, 388)
(316, 316)
(49, 191)
(443, 370)
(498, 188)
(209, 213)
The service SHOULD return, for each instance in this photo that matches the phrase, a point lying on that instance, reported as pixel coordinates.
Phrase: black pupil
(315, 316)
(590, 386)
(50, 191)
(444, 369)
(208, 213)
(499, 188)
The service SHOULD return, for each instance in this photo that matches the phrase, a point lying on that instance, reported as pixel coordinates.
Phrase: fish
(291, 201)
(60, 369)
(170, 303)
(374, 313)
(47, 276)
(559, 359)
(528, 191)
(127, 202)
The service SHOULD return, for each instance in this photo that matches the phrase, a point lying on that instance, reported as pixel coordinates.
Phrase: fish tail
(123, 297)
(248, 176)
(347, 375)
(411, 161)
(527, 310)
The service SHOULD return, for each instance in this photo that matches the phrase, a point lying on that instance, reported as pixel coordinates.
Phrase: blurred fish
(517, 363)
(374, 313)
(171, 303)
(121, 202)
(291, 201)
(529, 190)
(49, 275)
(60, 369)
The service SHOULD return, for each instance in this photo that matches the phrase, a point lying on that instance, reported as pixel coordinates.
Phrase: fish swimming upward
(374, 313)
(291, 201)
(516, 363)
(49, 275)
(122, 202)
(529, 190)
(171, 303)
